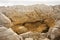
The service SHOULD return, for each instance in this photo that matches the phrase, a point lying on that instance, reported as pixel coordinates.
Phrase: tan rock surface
(20, 15)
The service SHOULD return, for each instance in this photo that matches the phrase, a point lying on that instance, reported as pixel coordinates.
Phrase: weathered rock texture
(34, 36)
(35, 18)
(8, 34)
(54, 33)
(5, 21)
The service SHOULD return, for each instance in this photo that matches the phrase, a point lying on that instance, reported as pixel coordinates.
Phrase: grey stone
(28, 38)
(43, 39)
(8, 34)
(54, 32)
(5, 21)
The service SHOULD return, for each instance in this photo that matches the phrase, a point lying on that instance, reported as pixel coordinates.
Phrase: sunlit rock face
(56, 10)
(19, 29)
(5, 21)
(54, 33)
(7, 34)
(34, 36)
(35, 18)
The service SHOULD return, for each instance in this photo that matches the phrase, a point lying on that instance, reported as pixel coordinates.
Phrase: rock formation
(7, 34)
(40, 22)
(36, 18)
(5, 21)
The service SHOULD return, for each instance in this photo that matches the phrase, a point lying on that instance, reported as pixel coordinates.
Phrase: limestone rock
(30, 15)
(8, 34)
(43, 39)
(28, 38)
(54, 33)
(5, 21)
(27, 13)
(34, 36)
(56, 10)
(19, 29)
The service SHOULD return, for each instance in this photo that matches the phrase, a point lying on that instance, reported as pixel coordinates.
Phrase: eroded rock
(8, 34)
(54, 33)
(35, 18)
(5, 21)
